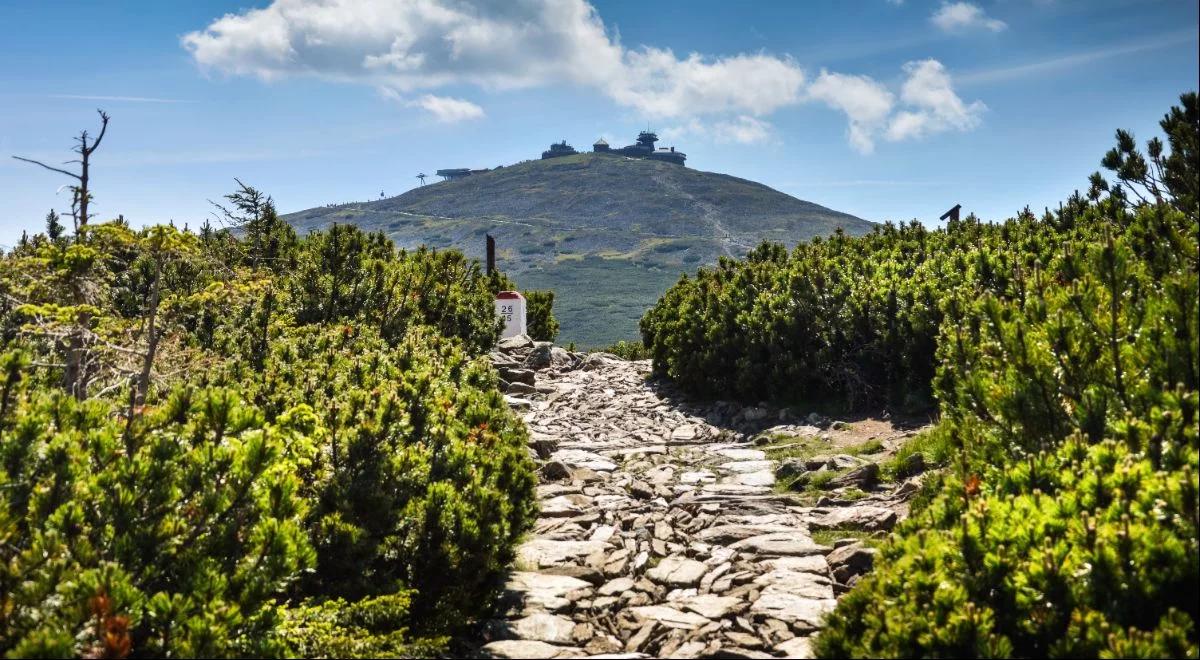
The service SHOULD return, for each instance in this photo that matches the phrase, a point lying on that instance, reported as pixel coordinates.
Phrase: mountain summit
(607, 232)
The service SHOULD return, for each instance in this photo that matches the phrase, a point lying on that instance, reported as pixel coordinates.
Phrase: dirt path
(662, 531)
(712, 215)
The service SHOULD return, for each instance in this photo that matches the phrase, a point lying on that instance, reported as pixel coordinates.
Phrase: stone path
(660, 532)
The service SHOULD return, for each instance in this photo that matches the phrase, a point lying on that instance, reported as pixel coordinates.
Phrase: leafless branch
(52, 169)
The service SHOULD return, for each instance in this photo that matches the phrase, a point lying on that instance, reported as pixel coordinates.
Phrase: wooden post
(952, 214)
(491, 254)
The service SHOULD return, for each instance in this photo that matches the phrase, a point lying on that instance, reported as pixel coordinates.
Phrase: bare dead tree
(81, 194)
(78, 368)
(143, 380)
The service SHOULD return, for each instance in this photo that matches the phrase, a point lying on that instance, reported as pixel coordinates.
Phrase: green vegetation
(1063, 352)
(627, 350)
(872, 446)
(934, 446)
(539, 309)
(244, 443)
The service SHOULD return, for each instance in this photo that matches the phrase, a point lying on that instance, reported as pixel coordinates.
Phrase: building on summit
(644, 148)
(559, 149)
(456, 173)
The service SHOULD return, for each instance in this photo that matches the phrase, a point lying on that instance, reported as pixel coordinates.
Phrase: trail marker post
(491, 254)
(952, 214)
(510, 306)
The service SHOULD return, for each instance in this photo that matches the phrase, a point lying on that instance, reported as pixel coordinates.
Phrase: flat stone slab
(562, 506)
(543, 589)
(726, 534)
(760, 478)
(526, 648)
(746, 466)
(805, 613)
(699, 476)
(616, 586)
(585, 459)
(805, 585)
(743, 454)
(684, 433)
(796, 647)
(793, 543)
(865, 517)
(678, 572)
(670, 617)
(734, 489)
(803, 564)
(710, 606)
(544, 627)
(546, 552)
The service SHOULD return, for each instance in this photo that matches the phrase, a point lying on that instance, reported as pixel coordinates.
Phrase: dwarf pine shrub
(249, 444)
(1063, 353)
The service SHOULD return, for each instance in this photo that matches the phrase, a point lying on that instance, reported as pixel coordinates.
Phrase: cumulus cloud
(426, 44)
(660, 84)
(865, 102)
(448, 110)
(964, 17)
(927, 105)
(935, 105)
(412, 49)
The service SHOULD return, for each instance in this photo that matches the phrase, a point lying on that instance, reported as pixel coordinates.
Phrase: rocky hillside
(607, 233)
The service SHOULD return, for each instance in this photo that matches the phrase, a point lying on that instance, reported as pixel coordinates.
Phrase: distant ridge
(608, 233)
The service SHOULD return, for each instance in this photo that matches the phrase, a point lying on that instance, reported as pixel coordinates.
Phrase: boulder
(544, 447)
(850, 560)
(520, 388)
(516, 375)
(913, 465)
(790, 468)
(819, 421)
(510, 344)
(844, 461)
(538, 358)
(863, 477)
(555, 471)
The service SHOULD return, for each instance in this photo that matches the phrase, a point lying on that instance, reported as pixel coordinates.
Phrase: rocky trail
(661, 531)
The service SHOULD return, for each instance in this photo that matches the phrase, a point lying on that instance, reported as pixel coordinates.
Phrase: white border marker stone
(510, 306)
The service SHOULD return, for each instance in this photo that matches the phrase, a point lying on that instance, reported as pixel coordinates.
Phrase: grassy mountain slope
(609, 234)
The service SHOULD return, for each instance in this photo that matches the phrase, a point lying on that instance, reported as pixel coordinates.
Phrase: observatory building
(643, 148)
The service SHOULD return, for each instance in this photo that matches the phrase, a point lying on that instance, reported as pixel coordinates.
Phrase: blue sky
(888, 110)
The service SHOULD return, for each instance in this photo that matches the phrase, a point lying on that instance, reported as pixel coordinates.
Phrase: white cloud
(964, 17)
(742, 129)
(448, 110)
(427, 44)
(659, 84)
(935, 105)
(410, 50)
(866, 103)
